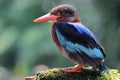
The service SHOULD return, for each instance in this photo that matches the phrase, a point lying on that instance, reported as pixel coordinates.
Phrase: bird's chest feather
(56, 39)
(54, 36)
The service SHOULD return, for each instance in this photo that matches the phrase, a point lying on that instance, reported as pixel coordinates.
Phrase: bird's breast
(57, 42)
(54, 36)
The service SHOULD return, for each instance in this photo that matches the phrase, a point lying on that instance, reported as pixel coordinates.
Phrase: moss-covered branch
(85, 74)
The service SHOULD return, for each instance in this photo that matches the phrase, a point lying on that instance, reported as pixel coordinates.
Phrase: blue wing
(76, 38)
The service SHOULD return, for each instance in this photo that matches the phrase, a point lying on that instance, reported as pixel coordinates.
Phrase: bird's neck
(75, 19)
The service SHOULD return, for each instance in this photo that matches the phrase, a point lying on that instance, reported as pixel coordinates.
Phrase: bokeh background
(27, 47)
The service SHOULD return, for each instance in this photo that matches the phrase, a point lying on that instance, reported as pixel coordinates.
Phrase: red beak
(46, 18)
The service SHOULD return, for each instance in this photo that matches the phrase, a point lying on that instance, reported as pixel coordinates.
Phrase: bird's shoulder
(75, 28)
(76, 33)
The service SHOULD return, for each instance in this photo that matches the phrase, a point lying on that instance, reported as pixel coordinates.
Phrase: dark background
(26, 46)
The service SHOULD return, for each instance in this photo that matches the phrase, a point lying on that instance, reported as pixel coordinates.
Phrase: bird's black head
(64, 12)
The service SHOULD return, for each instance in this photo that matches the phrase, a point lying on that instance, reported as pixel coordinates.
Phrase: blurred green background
(26, 47)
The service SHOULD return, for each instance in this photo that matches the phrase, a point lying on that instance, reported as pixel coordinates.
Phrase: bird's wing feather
(76, 38)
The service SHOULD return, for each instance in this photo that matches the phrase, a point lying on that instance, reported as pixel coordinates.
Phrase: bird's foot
(75, 69)
(69, 71)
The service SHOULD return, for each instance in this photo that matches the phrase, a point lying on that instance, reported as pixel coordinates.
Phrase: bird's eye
(60, 12)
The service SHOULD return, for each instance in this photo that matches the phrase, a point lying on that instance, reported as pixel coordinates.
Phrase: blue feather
(82, 29)
(75, 47)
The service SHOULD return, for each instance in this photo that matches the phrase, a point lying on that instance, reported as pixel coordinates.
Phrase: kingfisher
(73, 39)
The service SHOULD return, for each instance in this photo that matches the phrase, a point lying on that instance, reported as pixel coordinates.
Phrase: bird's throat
(69, 19)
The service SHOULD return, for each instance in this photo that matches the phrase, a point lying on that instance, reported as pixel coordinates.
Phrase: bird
(73, 39)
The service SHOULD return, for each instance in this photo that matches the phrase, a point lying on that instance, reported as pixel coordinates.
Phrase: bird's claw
(69, 71)
(75, 69)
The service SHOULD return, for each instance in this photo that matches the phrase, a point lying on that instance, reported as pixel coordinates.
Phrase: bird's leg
(75, 69)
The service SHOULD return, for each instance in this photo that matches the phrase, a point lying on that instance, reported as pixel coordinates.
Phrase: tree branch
(85, 74)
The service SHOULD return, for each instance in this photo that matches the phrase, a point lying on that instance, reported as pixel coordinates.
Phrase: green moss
(85, 74)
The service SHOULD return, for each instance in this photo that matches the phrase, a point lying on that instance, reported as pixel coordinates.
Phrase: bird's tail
(103, 67)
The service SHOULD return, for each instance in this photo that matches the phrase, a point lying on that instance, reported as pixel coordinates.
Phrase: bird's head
(64, 12)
